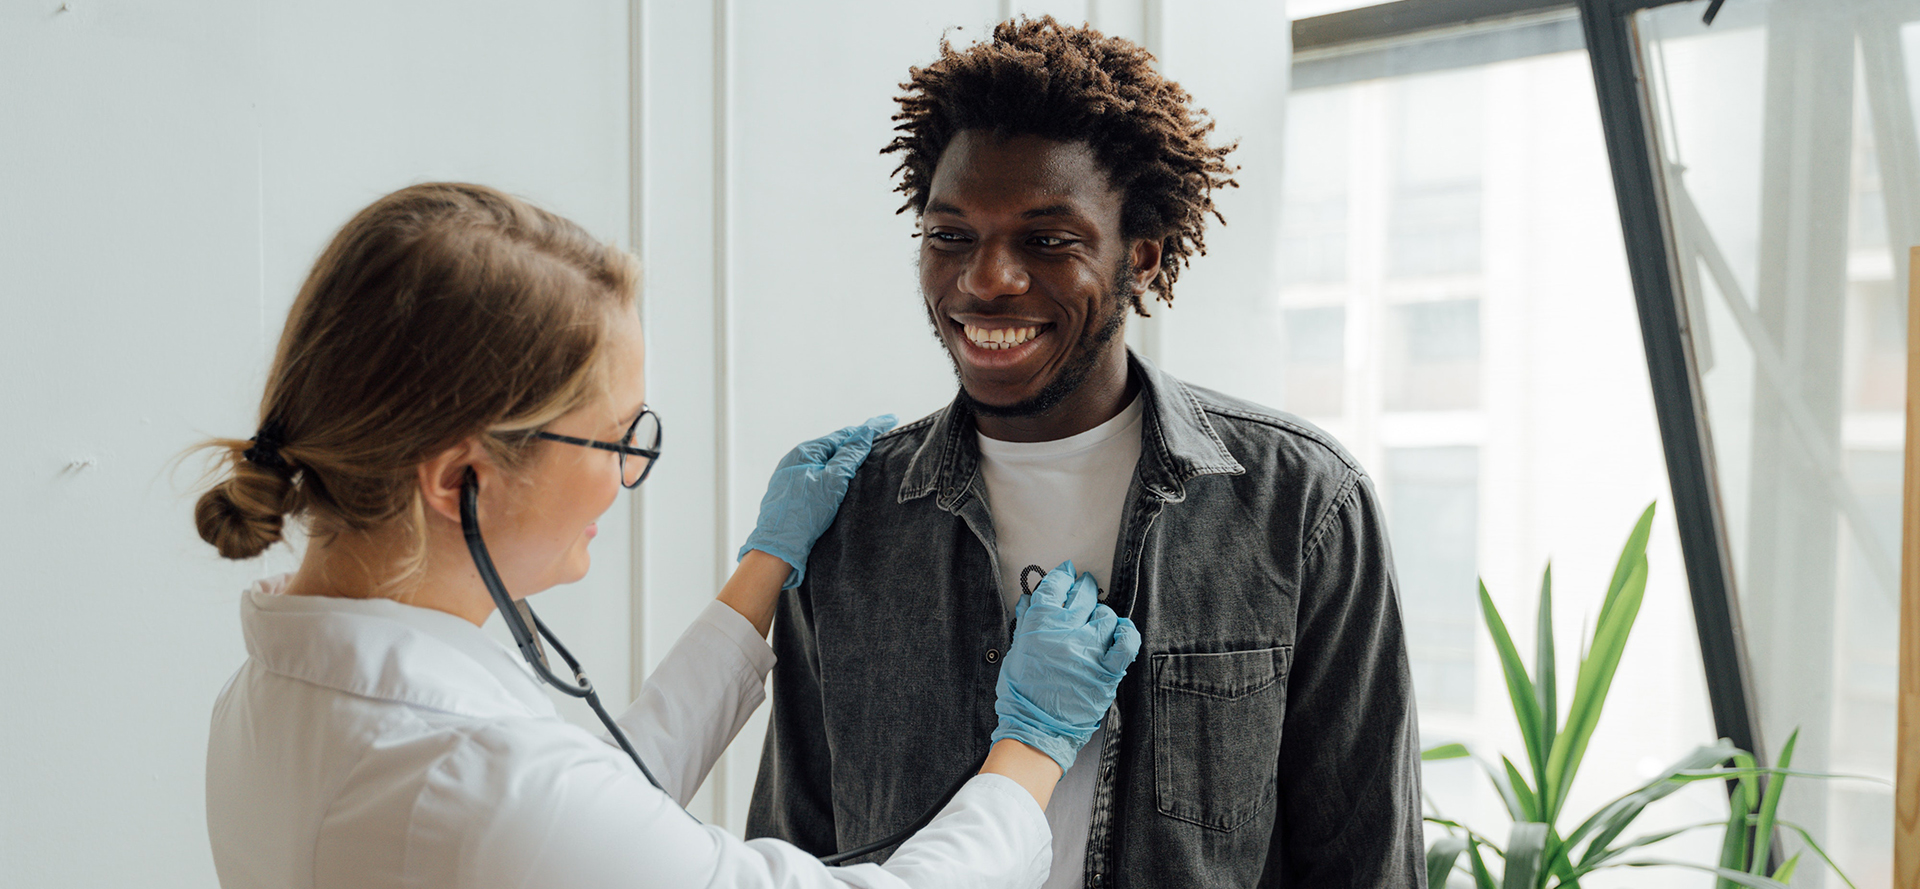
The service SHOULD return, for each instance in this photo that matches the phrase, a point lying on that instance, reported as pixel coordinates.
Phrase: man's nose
(993, 271)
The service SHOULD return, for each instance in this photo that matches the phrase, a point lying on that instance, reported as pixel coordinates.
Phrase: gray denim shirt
(1266, 735)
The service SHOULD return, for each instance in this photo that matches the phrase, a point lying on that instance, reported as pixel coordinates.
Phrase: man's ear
(1145, 261)
(443, 475)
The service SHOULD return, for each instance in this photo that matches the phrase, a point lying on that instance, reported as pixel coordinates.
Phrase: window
(1435, 527)
(1433, 355)
(1776, 129)
(1455, 231)
(1438, 125)
(1315, 369)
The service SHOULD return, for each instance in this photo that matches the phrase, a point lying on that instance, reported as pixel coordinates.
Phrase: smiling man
(1266, 734)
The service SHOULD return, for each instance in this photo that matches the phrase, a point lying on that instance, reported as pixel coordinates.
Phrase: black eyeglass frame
(652, 454)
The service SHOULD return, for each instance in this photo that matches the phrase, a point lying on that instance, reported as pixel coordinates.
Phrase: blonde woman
(457, 396)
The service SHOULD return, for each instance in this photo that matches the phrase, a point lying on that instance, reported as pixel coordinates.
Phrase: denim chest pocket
(1216, 733)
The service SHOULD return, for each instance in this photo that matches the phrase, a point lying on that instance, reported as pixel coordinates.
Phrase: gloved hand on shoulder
(805, 492)
(1068, 655)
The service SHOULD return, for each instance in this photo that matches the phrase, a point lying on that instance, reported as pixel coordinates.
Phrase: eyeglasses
(637, 450)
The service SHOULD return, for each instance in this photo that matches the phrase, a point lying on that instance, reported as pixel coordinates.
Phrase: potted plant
(1537, 854)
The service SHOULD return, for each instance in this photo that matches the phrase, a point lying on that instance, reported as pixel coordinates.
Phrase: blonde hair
(441, 312)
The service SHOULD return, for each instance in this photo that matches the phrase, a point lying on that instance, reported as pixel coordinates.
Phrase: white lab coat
(371, 744)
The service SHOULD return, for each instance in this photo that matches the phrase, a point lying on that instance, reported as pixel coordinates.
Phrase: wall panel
(171, 173)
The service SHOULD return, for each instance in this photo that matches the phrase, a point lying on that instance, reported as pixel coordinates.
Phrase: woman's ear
(443, 475)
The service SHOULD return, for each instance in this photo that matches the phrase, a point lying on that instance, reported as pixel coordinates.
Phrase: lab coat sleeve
(580, 816)
(697, 699)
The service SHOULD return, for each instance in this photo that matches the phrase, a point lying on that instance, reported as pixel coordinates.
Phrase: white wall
(167, 173)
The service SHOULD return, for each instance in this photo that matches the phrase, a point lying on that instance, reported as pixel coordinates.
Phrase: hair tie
(266, 447)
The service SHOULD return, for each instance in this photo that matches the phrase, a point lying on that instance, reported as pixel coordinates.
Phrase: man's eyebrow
(1051, 210)
(1068, 210)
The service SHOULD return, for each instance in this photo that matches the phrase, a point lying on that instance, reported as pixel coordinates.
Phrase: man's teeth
(999, 337)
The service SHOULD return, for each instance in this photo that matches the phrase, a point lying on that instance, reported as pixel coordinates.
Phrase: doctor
(454, 341)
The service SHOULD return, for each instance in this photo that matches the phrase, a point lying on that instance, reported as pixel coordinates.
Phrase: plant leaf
(1749, 775)
(1630, 554)
(1815, 846)
(1595, 679)
(1558, 863)
(1443, 751)
(1481, 878)
(1504, 786)
(1468, 831)
(1596, 857)
(1526, 710)
(1614, 818)
(1526, 849)
(1440, 858)
(1761, 771)
(1786, 870)
(1524, 795)
(1733, 845)
(1544, 683)
(1770, 808)
(1727, 875)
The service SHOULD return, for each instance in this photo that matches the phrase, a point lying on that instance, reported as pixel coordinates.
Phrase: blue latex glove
(805, 492)
(1060, 674)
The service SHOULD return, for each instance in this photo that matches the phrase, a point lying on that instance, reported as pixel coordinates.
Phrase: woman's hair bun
(392, 354)
(243, 515)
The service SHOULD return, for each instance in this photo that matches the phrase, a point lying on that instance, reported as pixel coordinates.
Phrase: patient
(1267, 734)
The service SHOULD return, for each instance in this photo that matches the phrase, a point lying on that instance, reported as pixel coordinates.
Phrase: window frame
(1383, 32)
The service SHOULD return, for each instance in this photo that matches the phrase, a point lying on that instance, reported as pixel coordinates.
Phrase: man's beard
(1087, 353)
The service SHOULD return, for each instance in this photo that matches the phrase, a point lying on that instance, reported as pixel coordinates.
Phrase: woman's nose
(994, 271)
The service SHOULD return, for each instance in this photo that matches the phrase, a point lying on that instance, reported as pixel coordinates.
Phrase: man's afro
(1036, 77)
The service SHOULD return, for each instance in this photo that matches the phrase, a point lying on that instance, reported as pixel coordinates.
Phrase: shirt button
(993, 655)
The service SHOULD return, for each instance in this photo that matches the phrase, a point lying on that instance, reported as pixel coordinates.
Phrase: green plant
(1536, 854)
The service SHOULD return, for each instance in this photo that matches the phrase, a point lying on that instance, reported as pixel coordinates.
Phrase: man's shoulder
(893, 457)
(908, 437)
(894, 450)
(1253, 431)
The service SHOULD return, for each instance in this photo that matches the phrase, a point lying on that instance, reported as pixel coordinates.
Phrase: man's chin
(988, 403)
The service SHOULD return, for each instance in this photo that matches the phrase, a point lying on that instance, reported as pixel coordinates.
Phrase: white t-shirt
(1053, 501)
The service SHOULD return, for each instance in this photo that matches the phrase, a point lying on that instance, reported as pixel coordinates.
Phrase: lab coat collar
(382, 649)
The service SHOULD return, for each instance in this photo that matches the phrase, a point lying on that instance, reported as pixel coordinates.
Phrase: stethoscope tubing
(518, 615)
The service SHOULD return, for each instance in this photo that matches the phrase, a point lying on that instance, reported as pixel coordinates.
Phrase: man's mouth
(999, 338)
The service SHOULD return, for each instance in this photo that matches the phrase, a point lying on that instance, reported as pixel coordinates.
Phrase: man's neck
(1101, 397)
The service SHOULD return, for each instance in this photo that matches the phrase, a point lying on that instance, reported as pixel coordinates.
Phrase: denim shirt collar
(1177, 444)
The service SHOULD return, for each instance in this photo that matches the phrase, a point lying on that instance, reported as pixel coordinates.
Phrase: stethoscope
(522, 623)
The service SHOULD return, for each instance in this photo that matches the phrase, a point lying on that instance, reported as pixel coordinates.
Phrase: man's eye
(946, 239)
(1050, 241)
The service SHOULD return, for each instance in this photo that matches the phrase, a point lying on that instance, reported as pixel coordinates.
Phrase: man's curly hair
(1036, 77)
